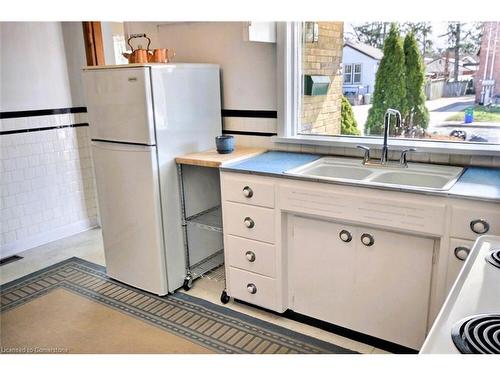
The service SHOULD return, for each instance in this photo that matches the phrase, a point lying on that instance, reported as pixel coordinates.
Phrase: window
(352, 73)
(357, 73)
(348, 74)
(442, 105)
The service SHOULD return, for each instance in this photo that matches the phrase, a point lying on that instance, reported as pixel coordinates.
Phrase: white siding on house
(369, 67)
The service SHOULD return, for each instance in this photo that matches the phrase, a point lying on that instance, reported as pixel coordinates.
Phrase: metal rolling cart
(208, 263)
(199, 191)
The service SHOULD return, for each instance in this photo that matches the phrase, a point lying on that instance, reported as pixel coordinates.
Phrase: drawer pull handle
(345, 235)
(250, 255)
(479, 226)
(461, 252)
(247, 192)
(367, 239)
(252, 289)
(249, 223)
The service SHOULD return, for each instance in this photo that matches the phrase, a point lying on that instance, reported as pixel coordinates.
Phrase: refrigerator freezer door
(120, 105)
(129, 204)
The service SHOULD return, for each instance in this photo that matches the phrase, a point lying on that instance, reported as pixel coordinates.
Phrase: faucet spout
(387, 123)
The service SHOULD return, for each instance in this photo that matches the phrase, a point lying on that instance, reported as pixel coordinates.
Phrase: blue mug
(224, 144)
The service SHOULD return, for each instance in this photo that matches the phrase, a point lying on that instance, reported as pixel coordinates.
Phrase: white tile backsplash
(46, 181)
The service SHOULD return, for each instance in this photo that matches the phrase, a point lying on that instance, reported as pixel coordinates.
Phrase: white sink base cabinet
(283, 250)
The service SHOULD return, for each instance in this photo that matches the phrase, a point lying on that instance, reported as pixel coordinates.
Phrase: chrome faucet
(387, 124)
(384, 158)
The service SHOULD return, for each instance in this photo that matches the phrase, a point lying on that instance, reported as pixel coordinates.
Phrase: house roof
(365, 49)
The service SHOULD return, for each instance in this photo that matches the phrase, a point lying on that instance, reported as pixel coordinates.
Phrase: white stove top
(475, 292)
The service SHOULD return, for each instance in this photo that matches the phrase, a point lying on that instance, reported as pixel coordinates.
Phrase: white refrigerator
(141, 117)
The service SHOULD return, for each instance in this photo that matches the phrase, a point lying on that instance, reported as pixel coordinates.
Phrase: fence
(439, 88)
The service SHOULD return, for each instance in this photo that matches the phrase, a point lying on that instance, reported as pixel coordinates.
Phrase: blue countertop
(475, 183)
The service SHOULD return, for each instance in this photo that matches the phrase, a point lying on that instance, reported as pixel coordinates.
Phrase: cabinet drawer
(469, 222)
(248, 189)
(456, 258)
(250, 255)
(250, 287)
(252, 222)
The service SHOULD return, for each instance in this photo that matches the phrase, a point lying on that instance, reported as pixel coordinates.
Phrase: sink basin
(412, 179)
(416, 176)
(339, 171)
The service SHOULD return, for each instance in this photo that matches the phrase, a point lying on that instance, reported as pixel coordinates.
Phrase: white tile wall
(250, 124)
(47, 187)
(420, 157)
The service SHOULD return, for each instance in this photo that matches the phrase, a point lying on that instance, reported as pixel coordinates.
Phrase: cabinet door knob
(252, 289)
(479, 226)
(345, 235)
(367, 239)
(250, 255)
(461, 252)
(249, 223)
(248, 192)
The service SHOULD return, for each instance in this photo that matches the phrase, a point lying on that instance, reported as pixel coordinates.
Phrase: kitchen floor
(88, 245)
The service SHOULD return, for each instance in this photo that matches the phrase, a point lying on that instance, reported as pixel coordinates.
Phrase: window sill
(435, 147)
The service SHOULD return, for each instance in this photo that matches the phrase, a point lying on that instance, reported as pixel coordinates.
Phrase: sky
(438, 28)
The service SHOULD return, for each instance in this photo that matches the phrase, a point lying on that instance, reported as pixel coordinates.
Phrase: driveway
(439, 110)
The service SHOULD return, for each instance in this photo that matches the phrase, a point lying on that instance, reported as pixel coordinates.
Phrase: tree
(390, 88)
(348, 124)
(371, 33)
(463, 38)
(417, 114)
(422, 31)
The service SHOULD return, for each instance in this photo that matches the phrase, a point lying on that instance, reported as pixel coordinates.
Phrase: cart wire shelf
(210, 267)
(210, 219)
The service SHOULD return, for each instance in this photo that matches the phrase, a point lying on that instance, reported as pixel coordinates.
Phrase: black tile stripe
(249, 113)
(42, 112)
(31, 130)
(241, 132)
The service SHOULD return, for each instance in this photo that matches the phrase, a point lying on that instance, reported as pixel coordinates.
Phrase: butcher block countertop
(212, 159)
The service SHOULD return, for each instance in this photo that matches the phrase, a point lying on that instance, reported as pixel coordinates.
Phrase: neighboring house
(360, 63)
(488, 75)
(435, 68)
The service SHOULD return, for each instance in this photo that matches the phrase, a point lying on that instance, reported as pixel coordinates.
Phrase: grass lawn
(481, 114)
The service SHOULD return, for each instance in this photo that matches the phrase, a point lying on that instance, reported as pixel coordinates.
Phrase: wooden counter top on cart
(212, 159)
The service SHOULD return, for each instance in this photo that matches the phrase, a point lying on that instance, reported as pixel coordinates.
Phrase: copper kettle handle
(133, 36)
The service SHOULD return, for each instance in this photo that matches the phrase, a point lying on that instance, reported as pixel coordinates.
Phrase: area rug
(73, 307)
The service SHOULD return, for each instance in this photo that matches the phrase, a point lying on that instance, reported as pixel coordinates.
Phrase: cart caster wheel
(188, 283)
(224, 298)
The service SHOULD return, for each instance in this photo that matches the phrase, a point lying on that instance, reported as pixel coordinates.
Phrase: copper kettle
(139, 55)
(161, 55)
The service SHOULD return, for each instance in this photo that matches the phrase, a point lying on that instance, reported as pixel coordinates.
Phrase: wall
(46, 177)
(35, 58)
(248, 70)
(321, 114)
(494, 27)
(368, 67)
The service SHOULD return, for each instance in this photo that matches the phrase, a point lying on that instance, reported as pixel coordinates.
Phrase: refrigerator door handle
(120, 146)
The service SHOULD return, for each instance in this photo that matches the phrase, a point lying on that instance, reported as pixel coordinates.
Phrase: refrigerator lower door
(129, 205)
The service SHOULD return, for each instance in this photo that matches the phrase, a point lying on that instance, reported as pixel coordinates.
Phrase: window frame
(360, 73)
(289, 89)
(349, 73)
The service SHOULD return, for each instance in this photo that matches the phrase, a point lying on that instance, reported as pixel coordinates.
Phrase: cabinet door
(321, 270)
(459, 250)
(392, 286)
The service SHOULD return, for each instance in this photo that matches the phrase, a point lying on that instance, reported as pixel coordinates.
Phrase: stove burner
(478, 334)
(494, 257)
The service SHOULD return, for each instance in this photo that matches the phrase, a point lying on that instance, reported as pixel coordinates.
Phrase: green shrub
(348, 125)
(417, 114)
(390, 87)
